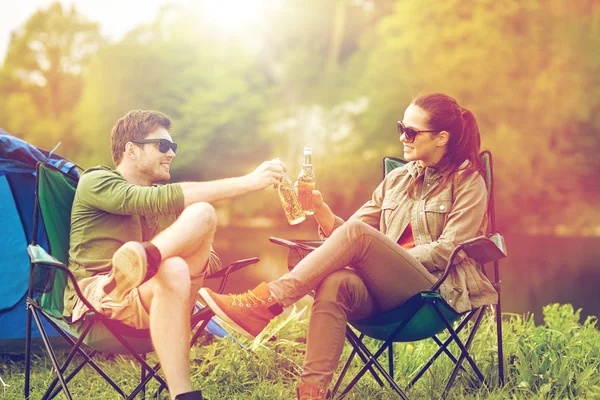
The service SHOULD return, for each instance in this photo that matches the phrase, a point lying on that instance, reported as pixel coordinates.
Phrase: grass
(557, 360)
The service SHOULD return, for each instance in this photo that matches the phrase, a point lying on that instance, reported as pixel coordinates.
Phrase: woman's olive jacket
(439, 223)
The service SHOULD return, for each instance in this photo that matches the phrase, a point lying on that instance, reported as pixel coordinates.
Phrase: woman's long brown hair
(445, 114)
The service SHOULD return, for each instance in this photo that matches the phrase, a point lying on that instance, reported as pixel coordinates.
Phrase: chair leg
(152, 372)
(69, 377)
(355, 351)
(205, 318)
(343, 373)
(464, 349)
(199, 331)
(51, 353)
(500, 349)
(363, 356)
(391, 360)
(372, 361)
(27, 353)
(143, 377)
(50, 392)
(443, 349)
(373, 358)
(87, 358)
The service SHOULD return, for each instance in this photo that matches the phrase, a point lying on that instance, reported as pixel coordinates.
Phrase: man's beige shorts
(130, 311)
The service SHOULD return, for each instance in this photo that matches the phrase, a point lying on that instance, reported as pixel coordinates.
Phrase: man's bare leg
(185, 248)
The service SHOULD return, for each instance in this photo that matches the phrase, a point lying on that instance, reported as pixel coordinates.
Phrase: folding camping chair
(94, 333)
(426, 314)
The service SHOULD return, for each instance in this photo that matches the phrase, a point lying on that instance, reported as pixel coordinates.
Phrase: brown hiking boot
(249, 313)
(129, 268)
(308, 391)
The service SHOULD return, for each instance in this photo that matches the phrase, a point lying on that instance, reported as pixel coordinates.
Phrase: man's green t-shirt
(107, 212)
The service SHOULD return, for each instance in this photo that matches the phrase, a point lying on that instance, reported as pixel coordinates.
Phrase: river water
(538, 270)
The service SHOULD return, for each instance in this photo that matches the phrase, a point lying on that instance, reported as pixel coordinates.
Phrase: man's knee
(174, 276)
(201, 213)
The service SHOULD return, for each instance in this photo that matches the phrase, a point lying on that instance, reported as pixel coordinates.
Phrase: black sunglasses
(410, 133)
(164, 145)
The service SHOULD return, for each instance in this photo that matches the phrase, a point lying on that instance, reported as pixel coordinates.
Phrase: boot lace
(247, 299)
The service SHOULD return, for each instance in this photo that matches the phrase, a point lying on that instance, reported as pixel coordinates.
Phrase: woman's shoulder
(472, 178)
(407, 169)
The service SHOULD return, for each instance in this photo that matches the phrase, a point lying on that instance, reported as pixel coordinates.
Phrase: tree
(526, 69)
(43, 74)
(214, 93)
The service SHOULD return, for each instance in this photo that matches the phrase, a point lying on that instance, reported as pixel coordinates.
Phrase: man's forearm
(267, 174)
(195, 192)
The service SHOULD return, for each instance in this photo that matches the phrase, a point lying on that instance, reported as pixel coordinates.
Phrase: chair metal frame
(39, 257)
(484, 249)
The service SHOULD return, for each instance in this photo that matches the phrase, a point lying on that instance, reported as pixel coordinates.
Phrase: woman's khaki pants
(357, 272)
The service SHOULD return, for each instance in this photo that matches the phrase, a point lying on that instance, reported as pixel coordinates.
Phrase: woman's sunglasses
(410, 133)
(164, 145)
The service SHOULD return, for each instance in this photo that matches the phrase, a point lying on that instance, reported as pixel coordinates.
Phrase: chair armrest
(485, 250)
(307, 245)
(482, 249)
(234, 266)
(39, 256)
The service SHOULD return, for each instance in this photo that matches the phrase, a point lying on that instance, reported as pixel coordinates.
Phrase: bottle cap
(307, 150)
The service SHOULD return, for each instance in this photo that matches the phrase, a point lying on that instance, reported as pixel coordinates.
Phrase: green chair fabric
(422, 325)
(56, 192)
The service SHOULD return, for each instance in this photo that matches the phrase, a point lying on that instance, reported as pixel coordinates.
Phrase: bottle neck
(307, 159)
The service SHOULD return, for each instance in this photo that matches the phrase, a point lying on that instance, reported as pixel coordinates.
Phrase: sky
(116, 17)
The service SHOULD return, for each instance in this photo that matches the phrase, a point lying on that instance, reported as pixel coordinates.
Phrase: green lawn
(557, 360)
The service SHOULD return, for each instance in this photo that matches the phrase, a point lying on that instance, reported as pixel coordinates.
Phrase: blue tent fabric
(14, 280)
(16, 155)
(17, 197)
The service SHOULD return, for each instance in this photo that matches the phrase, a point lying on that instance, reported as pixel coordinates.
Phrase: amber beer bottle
(306, 183)
(289, 202)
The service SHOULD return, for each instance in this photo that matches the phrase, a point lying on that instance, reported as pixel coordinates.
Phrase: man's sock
(154, 258)
(195, 395)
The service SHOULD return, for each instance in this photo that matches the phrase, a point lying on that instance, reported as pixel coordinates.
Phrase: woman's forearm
(325, 217)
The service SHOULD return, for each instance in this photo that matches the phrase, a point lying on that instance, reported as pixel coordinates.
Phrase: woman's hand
(323, 214)
(317, 199)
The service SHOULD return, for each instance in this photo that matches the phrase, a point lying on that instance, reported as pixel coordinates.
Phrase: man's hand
(266, 174)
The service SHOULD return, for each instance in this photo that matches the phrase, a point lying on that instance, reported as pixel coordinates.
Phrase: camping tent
(17, 195)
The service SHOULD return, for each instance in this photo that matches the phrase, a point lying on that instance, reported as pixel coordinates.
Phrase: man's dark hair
(135, 125)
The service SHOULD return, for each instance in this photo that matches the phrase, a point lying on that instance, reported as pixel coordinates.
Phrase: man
(141, 251)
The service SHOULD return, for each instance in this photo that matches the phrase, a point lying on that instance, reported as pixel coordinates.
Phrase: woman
(396, 245)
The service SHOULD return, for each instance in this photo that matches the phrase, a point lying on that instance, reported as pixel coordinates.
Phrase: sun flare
(232, 16)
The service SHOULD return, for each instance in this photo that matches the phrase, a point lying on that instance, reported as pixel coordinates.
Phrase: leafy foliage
(556, 360)
(42, 75)
(335, 75)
